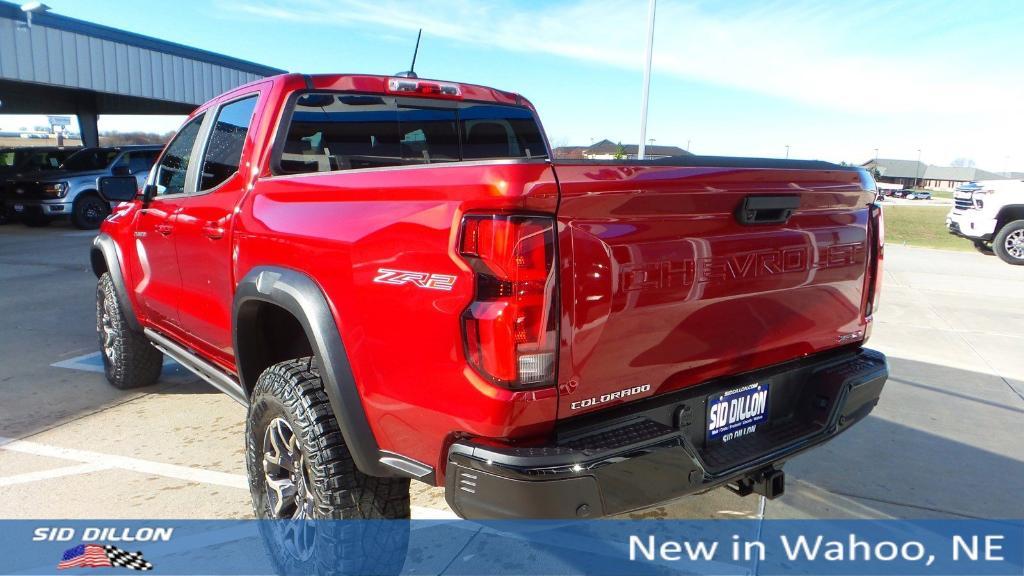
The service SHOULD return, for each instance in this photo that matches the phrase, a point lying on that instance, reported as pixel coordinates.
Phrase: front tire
(1009, 243)
(129, 359)
(89, 211)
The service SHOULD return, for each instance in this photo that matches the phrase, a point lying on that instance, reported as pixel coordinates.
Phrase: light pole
(917, 169)
(647, 78)
(876, 157)
(787, 151)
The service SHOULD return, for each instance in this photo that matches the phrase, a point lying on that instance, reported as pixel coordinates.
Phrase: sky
(832, 79)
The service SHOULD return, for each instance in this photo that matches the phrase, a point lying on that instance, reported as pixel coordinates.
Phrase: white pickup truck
(991, 213)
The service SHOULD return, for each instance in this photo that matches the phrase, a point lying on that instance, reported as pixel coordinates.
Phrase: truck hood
(54, 176)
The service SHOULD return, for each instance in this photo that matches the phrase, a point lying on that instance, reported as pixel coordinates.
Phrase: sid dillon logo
(102, 555)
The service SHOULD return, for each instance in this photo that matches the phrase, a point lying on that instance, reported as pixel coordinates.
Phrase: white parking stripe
(95, 461)
(186, 473)
(53, 473)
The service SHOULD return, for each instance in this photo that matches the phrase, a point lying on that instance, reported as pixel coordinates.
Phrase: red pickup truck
(399, 282)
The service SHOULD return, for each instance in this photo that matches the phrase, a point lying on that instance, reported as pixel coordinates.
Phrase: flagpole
(647, 79)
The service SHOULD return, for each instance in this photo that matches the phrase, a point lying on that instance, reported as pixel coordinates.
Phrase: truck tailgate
(663, 287)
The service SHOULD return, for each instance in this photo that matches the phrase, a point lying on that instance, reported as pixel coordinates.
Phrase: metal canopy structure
(69, 66)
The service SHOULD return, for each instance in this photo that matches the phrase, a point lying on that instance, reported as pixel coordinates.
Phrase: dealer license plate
(737, 413)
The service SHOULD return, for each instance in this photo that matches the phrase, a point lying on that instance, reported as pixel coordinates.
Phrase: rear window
(330, 131)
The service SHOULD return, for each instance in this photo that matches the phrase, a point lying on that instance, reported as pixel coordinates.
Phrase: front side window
(224, 150)
(170, 175)
(331, 131)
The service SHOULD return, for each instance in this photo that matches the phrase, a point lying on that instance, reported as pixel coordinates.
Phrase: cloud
(813, 53)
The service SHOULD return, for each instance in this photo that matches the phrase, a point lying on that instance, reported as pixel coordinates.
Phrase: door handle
(212, 231)
(767, 209)
(164, 229)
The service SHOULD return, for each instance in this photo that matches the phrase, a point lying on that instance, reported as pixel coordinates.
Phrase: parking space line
(96, 461)
(185, 473)
(53, 473)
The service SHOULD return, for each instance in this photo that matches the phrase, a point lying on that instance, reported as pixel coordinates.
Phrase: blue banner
(600, 547)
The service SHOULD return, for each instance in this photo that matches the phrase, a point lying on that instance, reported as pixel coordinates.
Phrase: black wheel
(129, 359)
(300, 469)
(983, 247)
(1009, 243)
(88, 211)
(35, 219)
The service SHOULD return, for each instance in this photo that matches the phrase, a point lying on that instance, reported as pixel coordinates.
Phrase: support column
(89, 129)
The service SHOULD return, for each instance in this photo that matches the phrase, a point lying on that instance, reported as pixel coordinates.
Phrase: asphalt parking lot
(944, 442)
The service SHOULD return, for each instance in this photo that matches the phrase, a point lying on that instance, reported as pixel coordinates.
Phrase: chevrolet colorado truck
(991, 214)
(399, 283)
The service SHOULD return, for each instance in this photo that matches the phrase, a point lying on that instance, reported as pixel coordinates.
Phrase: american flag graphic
(102, 556)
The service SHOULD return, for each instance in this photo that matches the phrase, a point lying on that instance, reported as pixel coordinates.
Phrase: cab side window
(170, 174)
(224, 150)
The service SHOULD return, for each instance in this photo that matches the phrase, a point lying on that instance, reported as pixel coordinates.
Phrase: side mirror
(119, 188)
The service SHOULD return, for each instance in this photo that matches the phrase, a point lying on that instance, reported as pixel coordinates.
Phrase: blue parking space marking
(93, 362)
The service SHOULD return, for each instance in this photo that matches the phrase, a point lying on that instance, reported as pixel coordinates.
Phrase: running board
(213, 375)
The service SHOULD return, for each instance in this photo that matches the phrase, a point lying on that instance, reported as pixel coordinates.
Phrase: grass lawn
(921, 226)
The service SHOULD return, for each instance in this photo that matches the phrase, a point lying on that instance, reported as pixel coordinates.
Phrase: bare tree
(123, 138)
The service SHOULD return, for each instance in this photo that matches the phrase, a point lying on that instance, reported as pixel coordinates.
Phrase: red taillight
(877, 228)
(510, 329)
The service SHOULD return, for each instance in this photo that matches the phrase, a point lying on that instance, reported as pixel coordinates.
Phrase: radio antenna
(411, 73)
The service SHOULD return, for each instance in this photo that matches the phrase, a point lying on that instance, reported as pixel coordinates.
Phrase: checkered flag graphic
(121, 558)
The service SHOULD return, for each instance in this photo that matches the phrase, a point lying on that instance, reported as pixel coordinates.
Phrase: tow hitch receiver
(770, 483)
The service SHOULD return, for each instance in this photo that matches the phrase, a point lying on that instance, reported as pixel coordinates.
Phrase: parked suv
(991, 214)
(72, 190)
(397, 281)
(17, 161)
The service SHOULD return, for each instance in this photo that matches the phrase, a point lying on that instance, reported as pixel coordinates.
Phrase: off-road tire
(129, 359)
(88, 211)
(293, 392)
(1010, 233)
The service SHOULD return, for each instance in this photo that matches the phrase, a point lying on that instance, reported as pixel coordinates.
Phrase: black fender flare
(1007, 214)
(302, 297)
(105, 256)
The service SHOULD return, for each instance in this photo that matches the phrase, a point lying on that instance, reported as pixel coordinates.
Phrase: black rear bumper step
(655, 450)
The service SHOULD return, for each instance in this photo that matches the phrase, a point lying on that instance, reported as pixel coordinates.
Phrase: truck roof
(378, 84)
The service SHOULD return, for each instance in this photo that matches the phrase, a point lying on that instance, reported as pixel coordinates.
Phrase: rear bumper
(654, 450)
